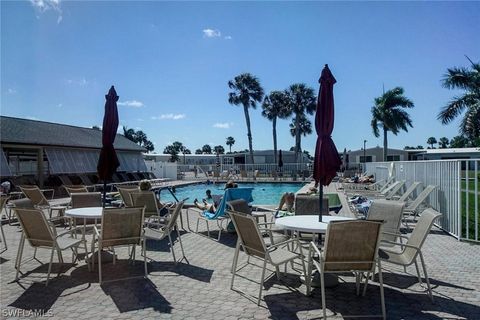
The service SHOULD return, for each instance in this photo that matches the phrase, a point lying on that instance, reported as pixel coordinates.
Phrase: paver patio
(200, 289)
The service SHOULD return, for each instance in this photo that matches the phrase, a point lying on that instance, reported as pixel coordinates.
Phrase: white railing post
(459, 199)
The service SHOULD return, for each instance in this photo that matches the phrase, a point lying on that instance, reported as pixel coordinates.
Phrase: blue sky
(170, 63)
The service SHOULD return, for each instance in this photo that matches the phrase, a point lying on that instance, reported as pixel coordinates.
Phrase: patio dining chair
(153, 208)
(120, 227)
(41, 233)
(253, 244)
(38, 199)
(411, 250)
(166, 231)
(390, 212)
(125, 194)
(3, 202)
(85, 200)
(350, 246)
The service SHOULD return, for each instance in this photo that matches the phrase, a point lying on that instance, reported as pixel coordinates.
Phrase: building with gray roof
(39, 148)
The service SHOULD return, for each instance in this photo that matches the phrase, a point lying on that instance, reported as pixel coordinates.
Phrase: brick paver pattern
(200, 287)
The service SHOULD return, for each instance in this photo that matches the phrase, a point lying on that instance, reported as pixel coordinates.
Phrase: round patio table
(310, 224)
(307, 223)
(89, 213)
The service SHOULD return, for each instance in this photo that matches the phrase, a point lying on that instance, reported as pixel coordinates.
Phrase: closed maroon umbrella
(108, 161)
(327, 161)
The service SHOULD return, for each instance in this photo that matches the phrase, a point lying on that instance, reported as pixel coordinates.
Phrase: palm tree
(275, 105)
(467, 80)
(389, 114)
(301, 100)
(305, 127)
(431, 141)
(247, 91)
(443, 142)
(230, 142)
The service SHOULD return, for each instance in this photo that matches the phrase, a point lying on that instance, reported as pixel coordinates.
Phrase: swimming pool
(263, 193)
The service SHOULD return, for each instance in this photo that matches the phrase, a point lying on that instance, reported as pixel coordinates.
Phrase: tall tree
(207, 149)
(219, 149)
(230, 142)
(139, 137)
(431, 141)
(274, 106)
(247, 92)
(388, 113)
(443, 142)
(174, 149)
(198, 151)
(305, 128)
(459, 142)
(301, 100)
(467, 80)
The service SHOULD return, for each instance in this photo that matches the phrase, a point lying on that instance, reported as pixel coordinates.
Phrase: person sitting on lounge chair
(287, 199)
(212, 207)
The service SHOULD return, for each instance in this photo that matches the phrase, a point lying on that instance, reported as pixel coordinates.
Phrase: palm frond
(455, 107)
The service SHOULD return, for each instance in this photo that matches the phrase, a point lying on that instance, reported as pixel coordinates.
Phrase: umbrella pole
(104, 192)
(320, 199)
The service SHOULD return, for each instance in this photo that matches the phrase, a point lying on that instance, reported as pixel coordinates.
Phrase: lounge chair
(120, 227)
(220, 214)
(350, 246)
(413, 208)
(406, 195)
(166, 230)
(411, 250)
(42, 234)
(253, 244)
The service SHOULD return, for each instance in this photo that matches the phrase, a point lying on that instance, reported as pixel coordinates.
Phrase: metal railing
(457, 195)
(289, 171)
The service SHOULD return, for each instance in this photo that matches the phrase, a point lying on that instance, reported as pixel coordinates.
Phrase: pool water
(263, 193)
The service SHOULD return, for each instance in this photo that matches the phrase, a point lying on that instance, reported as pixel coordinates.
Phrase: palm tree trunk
(297, 137)
(230, 148)
(249, 132)
(274, 124)
(385, 144)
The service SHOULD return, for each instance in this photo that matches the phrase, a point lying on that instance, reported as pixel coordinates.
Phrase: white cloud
(79, 82)
(131, 103)
(42, 6)
(224, 125)
(169, 116)
(59, 105)
(11, 91)
(228, 38)
(211, 33)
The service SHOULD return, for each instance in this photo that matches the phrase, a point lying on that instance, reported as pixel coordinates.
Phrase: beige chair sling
(350, 246)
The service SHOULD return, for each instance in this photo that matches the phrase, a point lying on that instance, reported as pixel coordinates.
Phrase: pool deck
(200, 288)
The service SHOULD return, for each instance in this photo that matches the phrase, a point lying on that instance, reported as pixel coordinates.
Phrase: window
(393, 157)
(368, 158)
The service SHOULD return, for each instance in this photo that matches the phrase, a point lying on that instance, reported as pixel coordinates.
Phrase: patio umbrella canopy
(108, 161)
(326, 162)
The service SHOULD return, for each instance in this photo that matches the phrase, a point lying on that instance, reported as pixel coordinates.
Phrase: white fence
(457, 194)
(287, 171)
